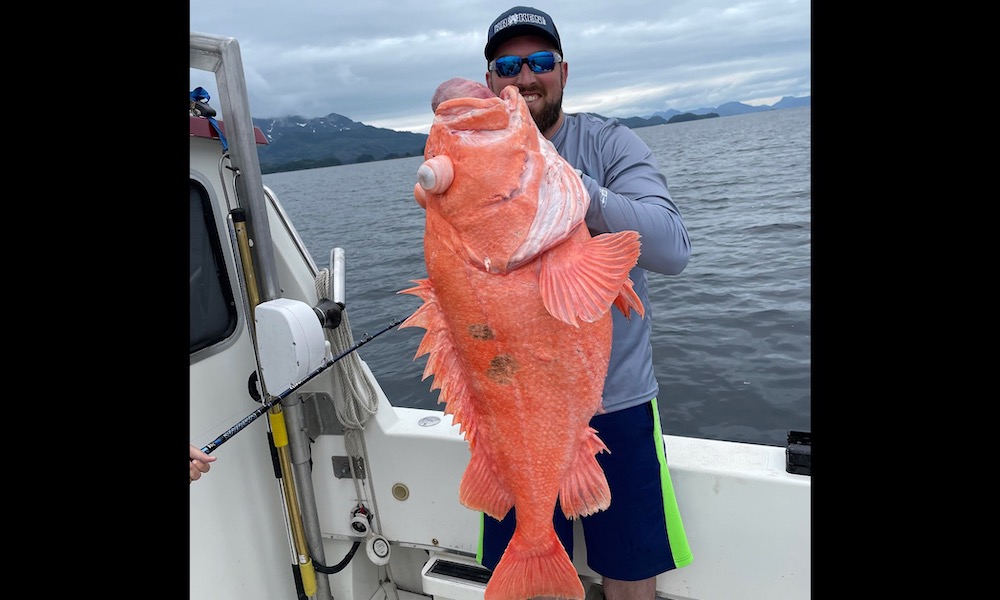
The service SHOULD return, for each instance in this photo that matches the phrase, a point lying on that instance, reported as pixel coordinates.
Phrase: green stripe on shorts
(672, 515)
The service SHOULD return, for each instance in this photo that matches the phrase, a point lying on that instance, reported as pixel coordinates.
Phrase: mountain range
(295, 142)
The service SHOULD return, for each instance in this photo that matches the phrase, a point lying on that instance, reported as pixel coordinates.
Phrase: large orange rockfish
(516, 308)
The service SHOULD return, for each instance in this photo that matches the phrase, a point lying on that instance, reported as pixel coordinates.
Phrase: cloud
(379, 62)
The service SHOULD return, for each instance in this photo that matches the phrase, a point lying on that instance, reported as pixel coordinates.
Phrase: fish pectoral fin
(480, 488)
(627, 300)
(584, 489)
(582, 281)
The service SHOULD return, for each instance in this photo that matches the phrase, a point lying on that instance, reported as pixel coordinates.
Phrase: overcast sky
(378, 62)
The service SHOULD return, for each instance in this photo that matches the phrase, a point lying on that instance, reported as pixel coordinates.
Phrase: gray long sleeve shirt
(627, 191)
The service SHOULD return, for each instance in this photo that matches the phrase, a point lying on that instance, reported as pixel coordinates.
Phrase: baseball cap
(521, 20)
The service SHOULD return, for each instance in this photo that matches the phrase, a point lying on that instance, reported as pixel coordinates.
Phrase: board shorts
(641, 534)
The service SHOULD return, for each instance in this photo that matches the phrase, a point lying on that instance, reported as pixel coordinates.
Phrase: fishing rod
(326, 364)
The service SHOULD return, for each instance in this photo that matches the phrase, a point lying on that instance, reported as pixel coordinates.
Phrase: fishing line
(229, 433)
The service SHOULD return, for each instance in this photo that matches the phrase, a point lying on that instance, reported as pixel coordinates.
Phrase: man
(641, 535)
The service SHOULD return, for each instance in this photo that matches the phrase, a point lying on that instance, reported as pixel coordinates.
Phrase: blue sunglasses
(538, 62)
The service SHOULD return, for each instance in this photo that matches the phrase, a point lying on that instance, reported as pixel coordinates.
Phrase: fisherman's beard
(548, 114)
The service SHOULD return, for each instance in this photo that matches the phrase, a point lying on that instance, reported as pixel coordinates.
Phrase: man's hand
(199, 463)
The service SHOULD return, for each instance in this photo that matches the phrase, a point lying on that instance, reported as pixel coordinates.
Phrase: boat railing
(221, 56)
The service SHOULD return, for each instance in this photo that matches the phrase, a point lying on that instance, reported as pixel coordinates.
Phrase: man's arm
(635, 196)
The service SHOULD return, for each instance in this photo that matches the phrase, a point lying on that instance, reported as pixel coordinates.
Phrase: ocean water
(731, 334)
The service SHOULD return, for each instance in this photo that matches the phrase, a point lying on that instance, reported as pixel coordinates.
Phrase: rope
(356, 402)
(360, 399)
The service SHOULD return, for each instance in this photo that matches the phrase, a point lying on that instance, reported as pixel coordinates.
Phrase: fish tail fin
(528, 570)
(584, 490)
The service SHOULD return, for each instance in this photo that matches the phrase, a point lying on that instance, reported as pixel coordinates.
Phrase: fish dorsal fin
(443, 362)
(582, 281)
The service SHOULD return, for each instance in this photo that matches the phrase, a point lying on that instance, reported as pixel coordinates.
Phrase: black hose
(339, 566)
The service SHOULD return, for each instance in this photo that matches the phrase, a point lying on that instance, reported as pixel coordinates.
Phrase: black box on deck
(798, 453)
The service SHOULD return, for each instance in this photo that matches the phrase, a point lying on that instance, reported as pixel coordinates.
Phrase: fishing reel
(331, 312)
